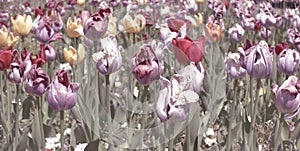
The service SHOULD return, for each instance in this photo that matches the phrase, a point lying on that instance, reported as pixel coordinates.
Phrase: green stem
(232, 115)
(107, 101)
(254, 113)
(171, 144)
(144, 99)
(40, 105)
(188, 139)
(17, 122)
(277, 137)
(62, 124)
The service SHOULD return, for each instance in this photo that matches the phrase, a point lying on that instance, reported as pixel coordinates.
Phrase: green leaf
(92, 145)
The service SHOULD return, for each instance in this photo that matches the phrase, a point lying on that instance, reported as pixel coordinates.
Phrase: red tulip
(5, 59)
(187, 50)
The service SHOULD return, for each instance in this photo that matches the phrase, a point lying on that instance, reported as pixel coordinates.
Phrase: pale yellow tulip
(21, 25)
(74, 29)
(74, 56)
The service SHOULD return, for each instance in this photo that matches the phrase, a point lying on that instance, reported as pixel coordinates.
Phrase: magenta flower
(287, 97)
(36, 81)
(62, 94)
(145, 65)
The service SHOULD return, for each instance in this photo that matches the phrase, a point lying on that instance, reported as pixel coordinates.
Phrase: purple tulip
(145, 65)
(266, 18)
(236, 33)
(49, 52)
(109, 59)
(62, 94)
(265, 33)
(287, 97)
(233, 66)
(44, 31)
(96, 24)
(174, 100)
(36, 81)
(288, 61)
(193, 76)
(257, 60)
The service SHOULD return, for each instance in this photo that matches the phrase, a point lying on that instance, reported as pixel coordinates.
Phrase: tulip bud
(7, 39)
(74, 56)
(22, 25)
(62, 94)
(44, 31)
(288, 61)
(265, 33)
(173, 101)
(74, 29)
(109, 59)
(36, 81)
(287, 98)
(145, 65)
(186, 50)
(236, 33)
(213, 31)
(233, 66)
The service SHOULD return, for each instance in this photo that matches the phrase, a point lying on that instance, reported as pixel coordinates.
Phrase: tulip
(265, 33)
(193, 76)
(95, 25)
(49, 51)
(288, 61)
(62, 94)
(145, 65)
(186, 50)
(131, 25)
(74, 56)
(109, 59)
(22, 25)
(236, 33)
(80, 2)
(112, 26)
(4, 17)
(5, 59)
(176, 23)
(287, 98)
(44, 31)
(58, 23)
(257, 60)
(7, 39)
(173, 101)
(266, 19)
(15, 73)
(74, 29)
(213, 31)
(233, 66)
(166, 35)
(36, 81)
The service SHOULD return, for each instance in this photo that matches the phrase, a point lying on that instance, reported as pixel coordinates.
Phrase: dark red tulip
(5, 59)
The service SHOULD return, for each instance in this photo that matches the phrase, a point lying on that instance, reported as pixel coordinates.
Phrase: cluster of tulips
(92, 29)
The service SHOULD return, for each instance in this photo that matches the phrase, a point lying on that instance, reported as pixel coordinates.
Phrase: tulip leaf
(23, 141)
(92, 145)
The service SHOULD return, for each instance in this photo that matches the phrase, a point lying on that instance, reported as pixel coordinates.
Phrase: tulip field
(149, 75)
